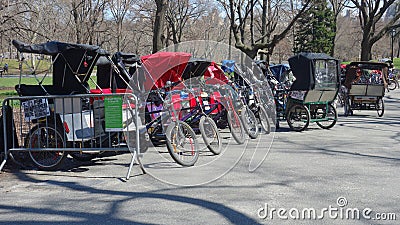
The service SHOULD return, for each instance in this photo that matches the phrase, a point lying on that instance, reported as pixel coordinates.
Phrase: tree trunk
(366, 48)
(159, 25)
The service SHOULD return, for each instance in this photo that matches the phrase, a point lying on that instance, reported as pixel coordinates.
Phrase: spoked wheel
(392, 84)
(250, 122)
(182, 143)
(298, 117)
(380, 107)
(236, 127)
(210, 134)
(330, 115)
(45, 136)
(264, 120)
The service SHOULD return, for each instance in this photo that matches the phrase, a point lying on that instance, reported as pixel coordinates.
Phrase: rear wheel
(210, 134)
(236, 127)
(298, 117)
(182, 143)
(41, 137)
(380, 107)
(250, 122)
(331, 117)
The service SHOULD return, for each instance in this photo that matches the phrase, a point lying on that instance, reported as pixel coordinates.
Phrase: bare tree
(87, 16)
(239, 13)
(179, 13)
(119, 10)
(158, 27)
(337, 7)
(370, 12)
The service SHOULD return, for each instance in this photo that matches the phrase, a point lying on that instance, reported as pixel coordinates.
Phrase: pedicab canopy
(162, 67)
(366, 72)
(314, 71)
(72, 64)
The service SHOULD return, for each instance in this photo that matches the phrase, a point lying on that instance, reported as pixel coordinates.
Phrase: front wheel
(380, 107)
(264, 120)
(44, 136)
(298, 117)
(182, 143)
(210, 134)
(250, 122)
(236, 127)
(392, 84)
(330, 115)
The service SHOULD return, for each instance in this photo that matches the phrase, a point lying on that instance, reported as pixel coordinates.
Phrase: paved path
(358, 162)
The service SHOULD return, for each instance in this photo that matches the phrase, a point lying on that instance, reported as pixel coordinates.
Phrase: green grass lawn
(13, 66)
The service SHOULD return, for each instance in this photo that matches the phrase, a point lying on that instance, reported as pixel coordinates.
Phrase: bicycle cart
(314, 89)
(366, 83)
(67, 116)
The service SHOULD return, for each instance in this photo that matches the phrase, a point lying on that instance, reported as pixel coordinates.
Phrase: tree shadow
(111, 216)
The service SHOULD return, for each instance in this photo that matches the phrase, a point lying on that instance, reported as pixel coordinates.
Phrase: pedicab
(366, 83)
(314, 89)
(65, 117)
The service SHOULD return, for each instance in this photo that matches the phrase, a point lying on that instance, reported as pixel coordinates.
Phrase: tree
(337, 7)
(179, 13)
(370, 12)
(119, 10)
(271, 33)
(158, 27)
(315, 29)
(88, 17)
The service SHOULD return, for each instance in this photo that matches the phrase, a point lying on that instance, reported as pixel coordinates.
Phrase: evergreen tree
(315, 30)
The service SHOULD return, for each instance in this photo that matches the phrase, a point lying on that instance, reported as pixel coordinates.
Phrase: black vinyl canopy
(303, 66)
(54, 47)
(72, 63)
(196, 67)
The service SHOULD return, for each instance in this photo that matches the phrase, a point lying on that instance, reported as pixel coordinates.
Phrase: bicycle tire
(380, 107)
(264, 119)
(392, 84)
(50, 137)
(331, 116)
(177, 134)
(210, 134)
(298, 113)
(249, 121)
(236, 127)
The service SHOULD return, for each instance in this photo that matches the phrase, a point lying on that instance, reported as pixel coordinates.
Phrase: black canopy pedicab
(366, 83)
(313, 91)
(69, 116)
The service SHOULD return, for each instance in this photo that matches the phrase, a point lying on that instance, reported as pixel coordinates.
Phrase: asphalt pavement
(346, 175)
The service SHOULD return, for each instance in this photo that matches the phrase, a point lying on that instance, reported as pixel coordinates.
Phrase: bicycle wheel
(264, 120)
(392, 84)
(45, 136)
(182, 143)
(380, 107)
(250, 122)
(331, 117)
(236, 127)
(210, 134)
(298, 117)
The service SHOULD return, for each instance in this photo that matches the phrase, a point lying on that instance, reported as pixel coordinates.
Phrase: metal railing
(72, 124)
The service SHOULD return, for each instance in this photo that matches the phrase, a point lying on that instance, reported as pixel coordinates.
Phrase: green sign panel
(113, 113)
